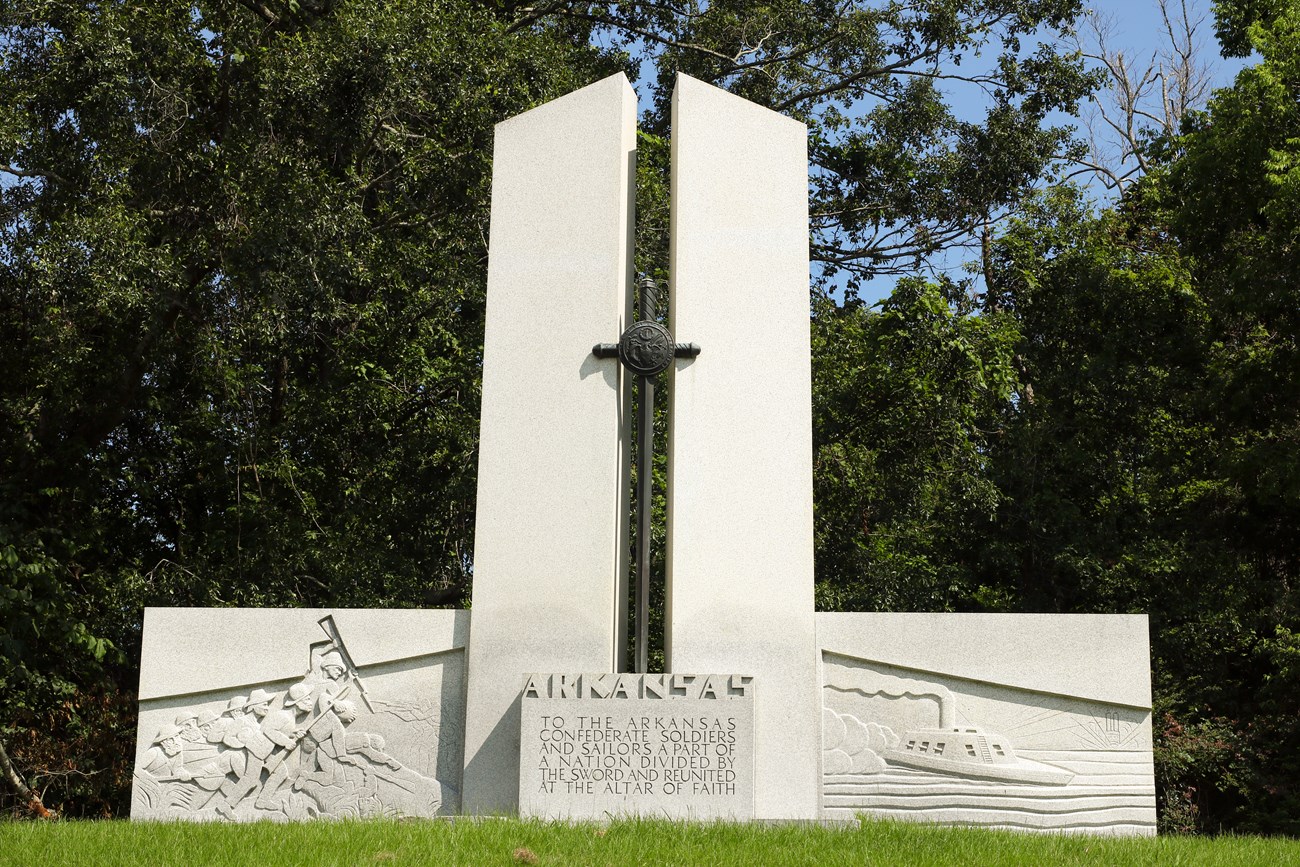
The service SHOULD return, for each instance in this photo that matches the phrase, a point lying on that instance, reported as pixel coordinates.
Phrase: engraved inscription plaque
(600, 745)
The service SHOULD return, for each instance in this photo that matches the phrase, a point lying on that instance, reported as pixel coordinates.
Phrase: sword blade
(644, 510)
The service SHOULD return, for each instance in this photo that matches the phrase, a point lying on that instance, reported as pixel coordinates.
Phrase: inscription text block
(676, 745)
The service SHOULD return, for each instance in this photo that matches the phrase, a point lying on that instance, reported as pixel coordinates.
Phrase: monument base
(1024, 721)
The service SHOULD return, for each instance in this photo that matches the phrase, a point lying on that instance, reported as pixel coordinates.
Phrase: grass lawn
(512, 842)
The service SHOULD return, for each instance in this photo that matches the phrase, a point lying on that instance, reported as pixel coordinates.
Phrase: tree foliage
(907, 403)
(1155, 470)
(1232, 199)
(242, 274)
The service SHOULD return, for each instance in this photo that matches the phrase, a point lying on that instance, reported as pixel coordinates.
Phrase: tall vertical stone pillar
(740, 556)
(549, 548)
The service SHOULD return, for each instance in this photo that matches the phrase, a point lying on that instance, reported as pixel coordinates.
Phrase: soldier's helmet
(258, 696)
(167, 732)
(206, 717)
(333, 659)
(300, 694)
(236, 703)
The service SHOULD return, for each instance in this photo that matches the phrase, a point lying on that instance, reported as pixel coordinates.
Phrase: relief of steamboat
(971, 752)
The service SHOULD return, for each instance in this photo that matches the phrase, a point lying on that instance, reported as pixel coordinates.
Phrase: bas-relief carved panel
(384, 738)
(909, 744)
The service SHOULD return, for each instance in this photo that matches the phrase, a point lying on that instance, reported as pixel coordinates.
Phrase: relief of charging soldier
(160, 776)
(285, 727)
(297, 739)
(195, 746)
(245, 734)
(328, 684)
(171, 777)
(164, 759)
(188, 723)
(335, 780)
(328, 679)
(344, 771)
(416, 792)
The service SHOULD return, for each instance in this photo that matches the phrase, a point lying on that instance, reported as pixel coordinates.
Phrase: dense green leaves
(906, 404)
(241, 276)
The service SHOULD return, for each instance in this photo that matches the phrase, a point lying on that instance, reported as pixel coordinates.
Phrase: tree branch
(850, 80)
(20, 788)
(260, 10)
(43, 174)
(639, 31)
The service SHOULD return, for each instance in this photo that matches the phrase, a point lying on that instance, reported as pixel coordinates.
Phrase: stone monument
(532, 706)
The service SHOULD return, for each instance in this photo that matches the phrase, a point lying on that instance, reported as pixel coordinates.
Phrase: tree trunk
(16, 783)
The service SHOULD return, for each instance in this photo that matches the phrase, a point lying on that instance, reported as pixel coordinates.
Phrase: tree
(1232, 199)
(1155, 468)
(898, 175)
(1142, 100)
(907, 403)
(1111, 346)
(241, 268)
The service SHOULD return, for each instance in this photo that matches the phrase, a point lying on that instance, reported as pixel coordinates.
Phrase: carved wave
(1110, 790)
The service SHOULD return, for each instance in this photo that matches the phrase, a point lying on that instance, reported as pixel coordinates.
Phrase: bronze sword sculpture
(645, 348)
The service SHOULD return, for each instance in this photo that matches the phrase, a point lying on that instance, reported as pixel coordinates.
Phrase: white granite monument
(769, 710)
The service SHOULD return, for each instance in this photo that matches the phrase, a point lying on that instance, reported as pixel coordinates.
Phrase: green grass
(511, 842)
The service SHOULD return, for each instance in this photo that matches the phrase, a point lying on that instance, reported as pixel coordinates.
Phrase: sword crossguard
(646, 347)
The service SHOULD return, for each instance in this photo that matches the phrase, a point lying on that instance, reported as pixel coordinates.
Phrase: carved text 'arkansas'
(665, 686)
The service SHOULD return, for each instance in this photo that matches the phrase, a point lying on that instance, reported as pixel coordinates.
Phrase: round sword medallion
(646, 348)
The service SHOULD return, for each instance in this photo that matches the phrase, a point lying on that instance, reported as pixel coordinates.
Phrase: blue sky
(1137, 30)
(1140, 26)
